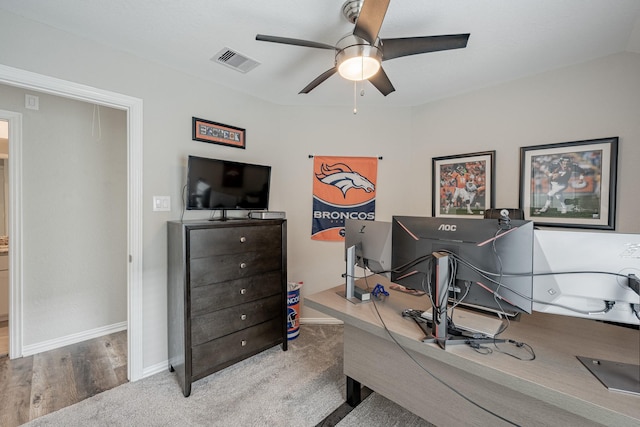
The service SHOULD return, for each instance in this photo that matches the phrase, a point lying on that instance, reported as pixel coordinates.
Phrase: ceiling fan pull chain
(355, 97)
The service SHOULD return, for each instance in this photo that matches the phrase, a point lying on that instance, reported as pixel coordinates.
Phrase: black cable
(432, 375)
(518, 344)
(184, 201)
(486, 274)
(479, 348)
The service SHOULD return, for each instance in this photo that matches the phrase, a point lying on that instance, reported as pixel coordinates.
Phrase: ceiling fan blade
(321, 78)
(370, 19)
(295, 42)
(396, 48)
(382, 82)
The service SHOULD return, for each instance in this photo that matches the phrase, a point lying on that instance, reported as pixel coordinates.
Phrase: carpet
(376, 410)
(299, 387)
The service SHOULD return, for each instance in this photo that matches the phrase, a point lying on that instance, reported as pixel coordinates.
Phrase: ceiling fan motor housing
(351, 10)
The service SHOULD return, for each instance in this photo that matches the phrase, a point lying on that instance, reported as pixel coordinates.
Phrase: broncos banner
(343, 187)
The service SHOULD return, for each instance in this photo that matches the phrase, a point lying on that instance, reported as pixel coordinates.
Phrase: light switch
(161, 203)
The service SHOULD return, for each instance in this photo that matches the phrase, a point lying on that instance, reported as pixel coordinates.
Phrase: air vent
(235, 60)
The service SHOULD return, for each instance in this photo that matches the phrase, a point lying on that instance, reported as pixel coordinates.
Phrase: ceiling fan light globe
(358, 62)
(358, 68)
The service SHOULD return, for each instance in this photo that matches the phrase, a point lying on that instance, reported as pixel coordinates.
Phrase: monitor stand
(441, 333)
(616, 376)
(223, 216)
(350, 282)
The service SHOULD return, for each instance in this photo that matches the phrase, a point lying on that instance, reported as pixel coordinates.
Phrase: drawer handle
(243, 265)
(243, 239)
(243, 343)
(243, 291)
(243, 317)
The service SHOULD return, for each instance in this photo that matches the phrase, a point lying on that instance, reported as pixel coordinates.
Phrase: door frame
(133, 107)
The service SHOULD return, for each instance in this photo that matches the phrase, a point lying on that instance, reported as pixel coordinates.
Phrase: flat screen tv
(214, 184)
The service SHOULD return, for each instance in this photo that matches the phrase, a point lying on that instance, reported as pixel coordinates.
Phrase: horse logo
(343, 177)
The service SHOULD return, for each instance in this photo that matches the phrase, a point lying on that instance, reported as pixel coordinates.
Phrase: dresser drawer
(220, 353)
(233, 240)
(217, 296)
(223, 322)
(215, 269)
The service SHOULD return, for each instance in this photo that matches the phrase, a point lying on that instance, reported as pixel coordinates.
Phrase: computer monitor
(587, 274)
(367, 245)
(494, 259)
(372, 241)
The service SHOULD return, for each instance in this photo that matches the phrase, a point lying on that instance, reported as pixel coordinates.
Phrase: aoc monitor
(492, 260)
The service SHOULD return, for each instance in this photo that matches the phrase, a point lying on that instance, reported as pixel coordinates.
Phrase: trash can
(293, 310)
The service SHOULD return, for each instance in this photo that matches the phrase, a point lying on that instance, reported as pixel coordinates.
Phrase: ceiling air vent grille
(235, 60)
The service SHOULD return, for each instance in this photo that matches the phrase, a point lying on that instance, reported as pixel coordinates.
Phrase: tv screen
(221, 184)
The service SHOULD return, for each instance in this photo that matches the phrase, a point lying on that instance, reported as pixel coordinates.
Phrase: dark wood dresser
(227, 288)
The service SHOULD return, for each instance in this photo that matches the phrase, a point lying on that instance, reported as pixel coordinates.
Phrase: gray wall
(591, 100)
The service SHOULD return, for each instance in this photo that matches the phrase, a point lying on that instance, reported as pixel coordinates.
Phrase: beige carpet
(300, 387)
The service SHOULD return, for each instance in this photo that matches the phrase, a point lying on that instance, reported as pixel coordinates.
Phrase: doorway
(4, 256)
(133, 109)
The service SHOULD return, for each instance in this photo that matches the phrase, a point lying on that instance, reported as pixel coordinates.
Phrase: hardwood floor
(33, 386)
(4, 338)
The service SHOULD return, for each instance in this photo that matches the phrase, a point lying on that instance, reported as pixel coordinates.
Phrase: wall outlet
(161, 203)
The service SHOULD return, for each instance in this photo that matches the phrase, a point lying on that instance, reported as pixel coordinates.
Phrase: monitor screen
(586, 274)
(494, 260)
(222, 184)
(372, 240)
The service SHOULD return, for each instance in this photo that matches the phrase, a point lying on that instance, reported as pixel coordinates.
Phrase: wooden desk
(553, 389)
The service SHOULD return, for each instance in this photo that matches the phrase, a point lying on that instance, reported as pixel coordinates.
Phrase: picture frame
(463, 185)
(570, 184)
(218, 133)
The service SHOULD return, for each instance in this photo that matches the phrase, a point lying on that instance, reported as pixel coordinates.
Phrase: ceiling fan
(359, 55)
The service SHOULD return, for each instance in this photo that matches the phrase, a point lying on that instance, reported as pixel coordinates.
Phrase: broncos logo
(342, 176)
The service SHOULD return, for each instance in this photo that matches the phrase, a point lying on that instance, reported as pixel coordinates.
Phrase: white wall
(334, 131)
(74, 193)
(543, 109)
(598, 99)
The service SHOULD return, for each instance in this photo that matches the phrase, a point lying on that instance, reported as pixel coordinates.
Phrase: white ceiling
(509, 39)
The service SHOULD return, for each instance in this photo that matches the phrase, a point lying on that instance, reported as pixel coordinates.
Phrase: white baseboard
(155, 369)
(40, 347)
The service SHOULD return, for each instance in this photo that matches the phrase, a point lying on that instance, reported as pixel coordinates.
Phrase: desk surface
(556, 376)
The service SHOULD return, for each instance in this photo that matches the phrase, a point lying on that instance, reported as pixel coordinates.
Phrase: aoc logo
(447, 227)
(343, 177)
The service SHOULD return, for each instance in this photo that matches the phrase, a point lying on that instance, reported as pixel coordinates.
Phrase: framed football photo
(570, 184)
(463, 185)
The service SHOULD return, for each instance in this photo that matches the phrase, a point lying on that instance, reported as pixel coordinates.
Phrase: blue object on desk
(379, 289)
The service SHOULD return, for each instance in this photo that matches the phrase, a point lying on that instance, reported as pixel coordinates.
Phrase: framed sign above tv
(217, 133)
